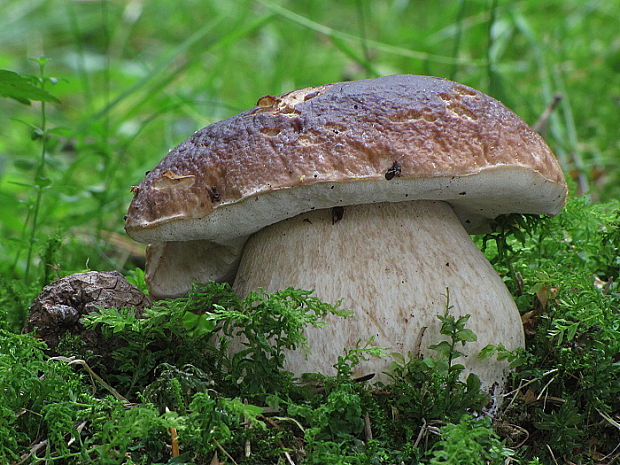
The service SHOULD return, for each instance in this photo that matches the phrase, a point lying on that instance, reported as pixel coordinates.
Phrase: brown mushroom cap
(390, 139)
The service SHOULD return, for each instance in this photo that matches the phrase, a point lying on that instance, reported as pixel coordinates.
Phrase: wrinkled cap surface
(390, 139)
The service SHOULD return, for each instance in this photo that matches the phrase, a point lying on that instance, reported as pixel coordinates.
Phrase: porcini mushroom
(363, 191)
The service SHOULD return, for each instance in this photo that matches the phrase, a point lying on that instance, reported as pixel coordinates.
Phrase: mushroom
(363, 191)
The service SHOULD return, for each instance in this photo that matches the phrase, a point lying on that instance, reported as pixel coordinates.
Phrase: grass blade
(160, 66)
(328, 31)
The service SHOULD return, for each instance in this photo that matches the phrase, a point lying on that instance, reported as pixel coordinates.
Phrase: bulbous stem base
(392, 264)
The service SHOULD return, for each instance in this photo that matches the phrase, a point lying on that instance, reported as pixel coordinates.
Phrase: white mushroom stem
(391, 264)
(172, 267)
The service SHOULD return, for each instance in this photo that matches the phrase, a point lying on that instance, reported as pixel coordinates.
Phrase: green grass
(131, 89)
(135, 78)
(163, 372)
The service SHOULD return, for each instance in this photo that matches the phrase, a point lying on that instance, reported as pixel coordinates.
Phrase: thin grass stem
(39, 178)
(460, 16)
(104, 135)
(161, 65)
(571, 132)
(395, 50)
(79, 46)
(361, 19)
(490, 65)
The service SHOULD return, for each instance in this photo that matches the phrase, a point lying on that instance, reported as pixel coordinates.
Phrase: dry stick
(541, 125)
(367, 427)
(248, 448)
(175, 442)
(609, 420)
(527, 383)
(394, 412)
(301, 428)
(610, 455)
(33, 450)
(544, 391)
(522, 385)
(174, 438)
(420, 434)
(552, 454)
(248, 445)
(79, 429)
(25, 410)
(289, 459)
(77, 361)
(527, 435)
(219, 446)
(74, 361)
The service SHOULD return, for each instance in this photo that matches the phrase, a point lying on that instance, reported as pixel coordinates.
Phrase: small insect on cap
(391, 139)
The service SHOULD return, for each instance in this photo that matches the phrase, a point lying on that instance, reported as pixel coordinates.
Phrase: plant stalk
(38, 176)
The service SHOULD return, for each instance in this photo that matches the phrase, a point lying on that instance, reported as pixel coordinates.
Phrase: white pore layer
(391, 264)
(476, 198)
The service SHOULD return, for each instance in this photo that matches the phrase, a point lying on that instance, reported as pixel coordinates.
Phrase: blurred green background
(137, 77)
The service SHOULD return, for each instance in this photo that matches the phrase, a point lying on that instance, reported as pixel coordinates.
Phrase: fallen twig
(524, 384)
(79, 429)
(174, 439)
(273, 423)
(99, 379)
(611, 454)
(175, 442)
(527, 435)
(289, 459)
(367, 427)
(552, 454)
(33, 450)
(420, 434)
(609, 420)
(219, 446)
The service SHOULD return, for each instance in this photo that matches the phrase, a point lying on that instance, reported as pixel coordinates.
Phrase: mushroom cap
(390, 139)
